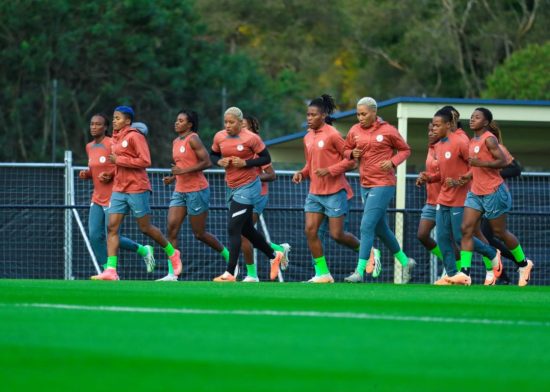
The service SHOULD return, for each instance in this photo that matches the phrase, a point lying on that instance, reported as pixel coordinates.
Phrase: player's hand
(224, 162)
(463, 180)
(177, 170)
(356, 153)
(82, 174)
(168, 180)
(112, 158)
(238, 162)
(322, 172)
(422, 179)
(475, 162)
(386, 165)
(297, 177)
(451, 182)
(104, 177)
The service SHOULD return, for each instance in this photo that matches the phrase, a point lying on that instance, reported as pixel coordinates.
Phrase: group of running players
(463, 181)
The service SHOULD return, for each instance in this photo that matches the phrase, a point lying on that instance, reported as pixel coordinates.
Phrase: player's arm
(203, 157)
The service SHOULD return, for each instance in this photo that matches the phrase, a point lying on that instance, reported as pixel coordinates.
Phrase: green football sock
(276, 247)
(170, 268)
(225, 254)
(402, 258)
(315, 266)
(112, 261)
(466, 259)
(361, 264)
(437, 252)
(251, 270)
(169, 249)
(487, 262)
(518, 254)
(457, 263)
(321, 264)
(142, 250)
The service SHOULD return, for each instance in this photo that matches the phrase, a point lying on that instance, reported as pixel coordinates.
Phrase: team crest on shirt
(447, 155)
(379, 138)
(102, 159)
(125, 143)
(476, 149)
(240, 147)
(321, 144)
(182, 149)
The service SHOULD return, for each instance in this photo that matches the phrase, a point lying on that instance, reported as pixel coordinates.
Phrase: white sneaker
(149, 259)
(407, 270)
(355, 277)
(325, 278)
(168, 278)
(286, 250)
(250, 279)
(377, 266)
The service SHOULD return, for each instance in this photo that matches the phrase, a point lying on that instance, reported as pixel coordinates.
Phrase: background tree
(524, 75)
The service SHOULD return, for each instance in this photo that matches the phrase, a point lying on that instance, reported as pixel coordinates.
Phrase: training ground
(201, 336)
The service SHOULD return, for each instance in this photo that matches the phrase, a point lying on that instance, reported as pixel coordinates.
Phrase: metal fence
(44, 215)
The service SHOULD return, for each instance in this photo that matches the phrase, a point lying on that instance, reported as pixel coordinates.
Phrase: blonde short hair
(368, 102)
(235, 111)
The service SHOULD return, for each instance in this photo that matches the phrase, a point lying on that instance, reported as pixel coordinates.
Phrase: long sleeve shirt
(380, 142)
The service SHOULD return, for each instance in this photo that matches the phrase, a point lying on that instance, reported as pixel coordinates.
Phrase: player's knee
(337, 235)
(423, 237)
(467, 229)
(499, 232)
(199, 235)
(310, 232)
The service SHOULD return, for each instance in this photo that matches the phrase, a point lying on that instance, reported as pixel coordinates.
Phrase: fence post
(69, 191)
(400, 193)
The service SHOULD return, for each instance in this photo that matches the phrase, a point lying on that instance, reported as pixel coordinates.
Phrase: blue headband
(126, 110)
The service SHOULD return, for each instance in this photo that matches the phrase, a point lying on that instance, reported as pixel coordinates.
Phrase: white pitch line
(287, 313)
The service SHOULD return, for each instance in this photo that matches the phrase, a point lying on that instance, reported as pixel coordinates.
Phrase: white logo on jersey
(102, 159)
(476, 149)
(240, 147)
(321, 144)
(379, 138)
(125, 143)
(182, 149)
(447, 154)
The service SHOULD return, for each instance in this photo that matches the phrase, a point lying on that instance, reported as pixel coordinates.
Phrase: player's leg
(97, 232)
(139, 204)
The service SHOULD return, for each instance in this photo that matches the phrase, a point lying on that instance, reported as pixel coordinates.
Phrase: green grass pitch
(200, 336)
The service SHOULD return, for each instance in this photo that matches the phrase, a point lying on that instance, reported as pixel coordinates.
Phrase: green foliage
(151, 55)
(524, 75)
(270, 56)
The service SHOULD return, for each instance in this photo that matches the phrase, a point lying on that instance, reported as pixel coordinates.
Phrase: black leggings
(240, 223)
(493, 241)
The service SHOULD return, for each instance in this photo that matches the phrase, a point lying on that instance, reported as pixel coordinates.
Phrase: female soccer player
(267, 175)
(327, 197)
(241, 152)
(488, 195)
(131, 189)
(512, 170)
(452, 157)
(192, 194)
(431, 179)
(101, 171)
(373, 141)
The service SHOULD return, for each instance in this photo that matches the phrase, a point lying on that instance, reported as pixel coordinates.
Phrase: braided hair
(253, 123)
(192, 117)
(326, 105)
(455, 116)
